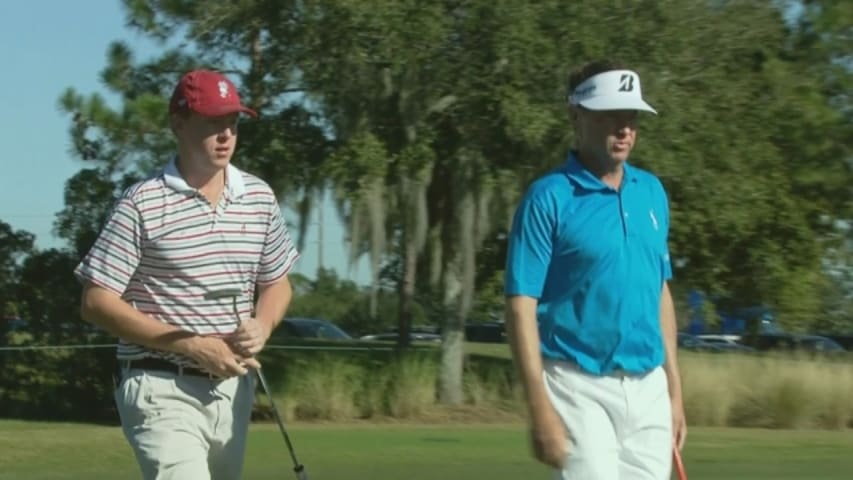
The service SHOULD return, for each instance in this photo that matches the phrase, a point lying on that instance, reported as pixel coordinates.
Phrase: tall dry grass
(719, 390)
(412, 389)
(767, 391)
(336, 388)
(325, 390)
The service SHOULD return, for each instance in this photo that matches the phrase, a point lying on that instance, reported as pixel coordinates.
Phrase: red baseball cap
(207, 93)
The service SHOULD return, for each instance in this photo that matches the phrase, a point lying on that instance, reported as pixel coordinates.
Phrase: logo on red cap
(207, 93)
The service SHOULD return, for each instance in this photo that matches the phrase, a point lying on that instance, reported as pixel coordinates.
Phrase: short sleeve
(529, 247)
(279, 254)
(115, 256)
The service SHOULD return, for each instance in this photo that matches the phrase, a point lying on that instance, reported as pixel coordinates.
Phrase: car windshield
(320, 330)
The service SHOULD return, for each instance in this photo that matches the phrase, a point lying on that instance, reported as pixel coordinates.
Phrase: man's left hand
(250, 337)
(679, 424)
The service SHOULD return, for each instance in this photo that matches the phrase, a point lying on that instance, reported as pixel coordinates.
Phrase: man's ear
(574, 120)
(176, 121)
(574, 114)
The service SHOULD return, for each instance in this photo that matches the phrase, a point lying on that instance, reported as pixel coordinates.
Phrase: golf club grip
(679, 464)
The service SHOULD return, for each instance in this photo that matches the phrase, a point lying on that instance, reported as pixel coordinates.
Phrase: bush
(378, 383)
(327, 390)
(767, 391)
(413, 386)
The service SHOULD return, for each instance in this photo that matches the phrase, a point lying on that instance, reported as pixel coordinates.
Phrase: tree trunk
(255, 78)
(376, 213)
(460, 293)
(407, 290)
(414, 239)
(453, 345)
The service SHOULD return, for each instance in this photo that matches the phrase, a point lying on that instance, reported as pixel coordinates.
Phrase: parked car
(817, 343)
(793, 342)
(719, 339)
(689, 341)
(393, 336)
(723, 347)
(487, 332)
(846, 341)
(309, 328)
(711, 343)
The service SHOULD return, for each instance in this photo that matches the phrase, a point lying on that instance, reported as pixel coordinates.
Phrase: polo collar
(233, 180)
(579, 174)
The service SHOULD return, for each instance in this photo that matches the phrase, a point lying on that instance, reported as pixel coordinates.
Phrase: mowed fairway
(53, 451)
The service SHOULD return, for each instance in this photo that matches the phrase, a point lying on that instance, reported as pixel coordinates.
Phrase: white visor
(613, 90)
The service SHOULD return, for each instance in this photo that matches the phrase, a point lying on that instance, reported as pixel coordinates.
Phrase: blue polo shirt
(596, 259)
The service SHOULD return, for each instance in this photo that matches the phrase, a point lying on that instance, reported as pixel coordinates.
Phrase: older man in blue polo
(589, 313)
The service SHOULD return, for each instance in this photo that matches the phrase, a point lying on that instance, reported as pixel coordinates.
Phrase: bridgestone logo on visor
(626, 83)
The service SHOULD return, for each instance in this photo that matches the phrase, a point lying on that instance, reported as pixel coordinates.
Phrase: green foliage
(487, 95)
(428, 121)
(346, 304)
(412, 386)
(14, 248)
(326, 389)
(429, 130)
(56, 384)
(709, 315)
(489, 305)
(357, 163)
(89, 196)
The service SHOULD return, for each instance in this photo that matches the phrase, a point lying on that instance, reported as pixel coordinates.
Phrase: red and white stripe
(164, 247)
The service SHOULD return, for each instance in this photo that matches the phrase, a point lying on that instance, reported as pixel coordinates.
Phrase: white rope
(330, 347)
(113, 345)
(57, 347)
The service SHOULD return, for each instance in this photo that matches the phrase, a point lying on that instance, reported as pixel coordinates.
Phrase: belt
(166, 366)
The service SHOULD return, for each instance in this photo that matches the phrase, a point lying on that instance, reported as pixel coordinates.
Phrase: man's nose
(624, 124)
(227, 132)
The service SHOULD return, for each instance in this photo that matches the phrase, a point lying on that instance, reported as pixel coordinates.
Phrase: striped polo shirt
(164, 247)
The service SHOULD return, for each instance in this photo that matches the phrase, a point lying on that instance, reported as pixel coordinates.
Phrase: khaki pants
(185, 427)
(620, 426)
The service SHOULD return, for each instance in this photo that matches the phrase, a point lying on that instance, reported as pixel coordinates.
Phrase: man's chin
(619, 156)
(220, 160)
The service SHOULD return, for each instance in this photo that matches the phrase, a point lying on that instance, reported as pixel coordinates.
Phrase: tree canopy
(427, 121)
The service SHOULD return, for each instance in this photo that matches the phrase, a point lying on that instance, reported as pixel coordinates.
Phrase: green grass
(497, 350)
(54, 451)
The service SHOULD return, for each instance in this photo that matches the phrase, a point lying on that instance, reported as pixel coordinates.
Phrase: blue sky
(48, 46)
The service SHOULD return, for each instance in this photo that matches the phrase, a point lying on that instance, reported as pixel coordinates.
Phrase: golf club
(234, 293)
(679, 465)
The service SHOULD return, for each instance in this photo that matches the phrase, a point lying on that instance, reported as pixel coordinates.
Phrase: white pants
(185, 427)
(620, 426)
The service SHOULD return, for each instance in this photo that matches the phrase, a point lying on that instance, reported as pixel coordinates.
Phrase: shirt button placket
(624, 218)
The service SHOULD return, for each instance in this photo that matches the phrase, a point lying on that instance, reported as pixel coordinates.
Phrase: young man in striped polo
(590, 315)
(196, 226)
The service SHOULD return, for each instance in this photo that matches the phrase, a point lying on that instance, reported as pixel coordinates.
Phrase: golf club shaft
(301, 474)
(297, 466)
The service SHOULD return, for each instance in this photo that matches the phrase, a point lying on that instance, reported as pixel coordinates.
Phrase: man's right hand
(215, 355)
(549, 438)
